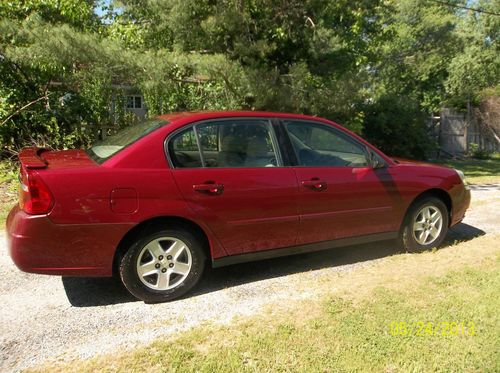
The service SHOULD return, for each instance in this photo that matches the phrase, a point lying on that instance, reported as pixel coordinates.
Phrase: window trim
(272, 130)
(342, 134)
(200, 150)
(284, 143)
(134, 97)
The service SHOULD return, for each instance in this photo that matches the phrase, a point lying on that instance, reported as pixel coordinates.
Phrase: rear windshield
(105, 149)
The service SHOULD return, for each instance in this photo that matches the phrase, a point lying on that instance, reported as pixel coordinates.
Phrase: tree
(377, 66)
(56, 72)
(477, 66)
(305, 56)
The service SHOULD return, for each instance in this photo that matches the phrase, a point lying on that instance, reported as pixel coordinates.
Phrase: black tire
(408, 238)
(135, 283)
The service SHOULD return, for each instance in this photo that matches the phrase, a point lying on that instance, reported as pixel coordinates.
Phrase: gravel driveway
(46, 318)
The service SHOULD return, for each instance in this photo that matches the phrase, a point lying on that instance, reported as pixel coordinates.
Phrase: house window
(133, 102)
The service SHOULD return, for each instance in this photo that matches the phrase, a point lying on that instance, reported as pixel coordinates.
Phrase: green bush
(476, 152)
(397, 126)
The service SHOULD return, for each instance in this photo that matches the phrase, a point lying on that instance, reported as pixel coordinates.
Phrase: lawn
(432, 311)
(478, 171)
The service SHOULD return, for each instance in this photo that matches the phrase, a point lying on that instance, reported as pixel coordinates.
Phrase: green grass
(8, 189)
(478, 171)
(351, 330)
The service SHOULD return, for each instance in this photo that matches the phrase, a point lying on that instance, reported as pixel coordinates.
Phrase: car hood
(411, 162)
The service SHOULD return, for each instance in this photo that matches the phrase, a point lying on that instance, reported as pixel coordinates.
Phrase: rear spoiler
(32, 158)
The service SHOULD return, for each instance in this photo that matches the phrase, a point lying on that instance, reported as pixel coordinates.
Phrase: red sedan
(154, 202)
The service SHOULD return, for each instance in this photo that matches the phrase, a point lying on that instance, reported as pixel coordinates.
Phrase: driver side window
(321, 145)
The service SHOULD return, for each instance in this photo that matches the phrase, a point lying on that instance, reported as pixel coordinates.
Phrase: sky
(98, 9)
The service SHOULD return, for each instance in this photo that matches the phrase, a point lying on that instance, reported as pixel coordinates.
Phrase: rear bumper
(37, 245)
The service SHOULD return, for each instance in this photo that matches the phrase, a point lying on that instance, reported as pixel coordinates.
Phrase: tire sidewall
(408, 240)
(130, 277)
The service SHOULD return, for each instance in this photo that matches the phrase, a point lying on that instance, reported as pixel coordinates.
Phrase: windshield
(105, 149)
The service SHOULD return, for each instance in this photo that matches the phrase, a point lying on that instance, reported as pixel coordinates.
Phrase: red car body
(95, 207)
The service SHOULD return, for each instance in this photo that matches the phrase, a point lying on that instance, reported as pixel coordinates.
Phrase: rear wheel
(426, 225)
(162, 265)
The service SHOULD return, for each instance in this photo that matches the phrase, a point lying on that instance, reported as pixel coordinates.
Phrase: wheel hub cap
(164, 263)
(427, 225)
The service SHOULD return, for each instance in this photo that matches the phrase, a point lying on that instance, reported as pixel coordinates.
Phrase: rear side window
(226, 143)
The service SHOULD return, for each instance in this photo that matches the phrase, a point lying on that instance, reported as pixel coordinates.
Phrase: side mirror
(374, 160)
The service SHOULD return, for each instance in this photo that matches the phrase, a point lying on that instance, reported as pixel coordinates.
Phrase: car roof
(201, 115)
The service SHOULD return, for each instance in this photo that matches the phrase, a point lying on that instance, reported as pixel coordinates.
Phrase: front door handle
(209, 187)
(315, 184)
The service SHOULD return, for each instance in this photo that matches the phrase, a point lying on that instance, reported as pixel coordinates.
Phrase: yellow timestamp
(423, 329)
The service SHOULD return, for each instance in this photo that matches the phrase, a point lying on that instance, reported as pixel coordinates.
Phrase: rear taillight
(34, 195)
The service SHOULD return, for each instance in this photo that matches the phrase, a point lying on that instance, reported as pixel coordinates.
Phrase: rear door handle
(315, 184)
(209, 187)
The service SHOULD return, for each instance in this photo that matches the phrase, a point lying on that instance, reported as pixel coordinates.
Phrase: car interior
(248, 144)
(239, 144)
(318, 145)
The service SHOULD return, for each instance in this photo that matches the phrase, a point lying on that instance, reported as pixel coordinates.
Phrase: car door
(230, 173)
(341, 195)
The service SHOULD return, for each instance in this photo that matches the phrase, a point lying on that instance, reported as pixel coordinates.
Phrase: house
(134, 103)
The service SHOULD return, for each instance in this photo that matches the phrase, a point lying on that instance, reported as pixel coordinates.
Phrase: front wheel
(162, 265)
(426, 225)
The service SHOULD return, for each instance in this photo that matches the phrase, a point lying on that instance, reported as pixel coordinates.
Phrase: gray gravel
(45, 318)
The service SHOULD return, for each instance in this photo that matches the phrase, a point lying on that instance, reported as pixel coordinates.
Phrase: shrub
(476, 152)
(397, 126)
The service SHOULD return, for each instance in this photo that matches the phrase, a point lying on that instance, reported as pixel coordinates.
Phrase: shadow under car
(90, 292)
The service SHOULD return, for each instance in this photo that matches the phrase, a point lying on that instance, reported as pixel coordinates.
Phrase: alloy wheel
(164, 263)
(427, 225)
